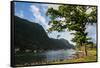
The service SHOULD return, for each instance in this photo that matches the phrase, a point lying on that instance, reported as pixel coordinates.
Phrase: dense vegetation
(31, 39)
(32, 36)
(73, 18)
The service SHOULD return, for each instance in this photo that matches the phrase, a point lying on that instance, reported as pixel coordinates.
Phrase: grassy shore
(91, 57)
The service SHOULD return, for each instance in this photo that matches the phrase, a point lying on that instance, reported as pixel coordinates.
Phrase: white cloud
(38, 17)
(54, 6)
(20, 14)
(66, 35)
(44, 7)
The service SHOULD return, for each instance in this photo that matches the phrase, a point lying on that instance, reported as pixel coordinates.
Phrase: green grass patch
(92, 57)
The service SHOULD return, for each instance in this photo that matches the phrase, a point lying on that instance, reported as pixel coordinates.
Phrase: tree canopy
(73, 18)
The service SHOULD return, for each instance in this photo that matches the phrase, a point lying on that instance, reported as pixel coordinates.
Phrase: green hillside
(32, 36)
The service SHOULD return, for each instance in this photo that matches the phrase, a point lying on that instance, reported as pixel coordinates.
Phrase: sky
(35, 12)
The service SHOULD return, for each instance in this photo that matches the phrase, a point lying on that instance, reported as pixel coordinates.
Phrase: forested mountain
(32, 36)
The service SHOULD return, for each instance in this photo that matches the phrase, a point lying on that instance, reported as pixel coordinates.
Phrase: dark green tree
(73, 18)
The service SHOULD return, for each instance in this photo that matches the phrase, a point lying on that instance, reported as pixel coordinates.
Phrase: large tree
(73, 18)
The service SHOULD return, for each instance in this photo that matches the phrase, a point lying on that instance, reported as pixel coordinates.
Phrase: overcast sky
(35, 12)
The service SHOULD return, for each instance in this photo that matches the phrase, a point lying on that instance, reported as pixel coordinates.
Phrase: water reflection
(44, 57)
(59, 54)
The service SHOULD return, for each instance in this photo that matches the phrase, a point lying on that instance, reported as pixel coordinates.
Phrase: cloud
(66, 35)
(38, 16)
(20, 14)
(39, 12)
(46, 6)
(54, 6)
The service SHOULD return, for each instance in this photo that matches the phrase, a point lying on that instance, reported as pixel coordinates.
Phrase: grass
(91, 57)
(29, 57)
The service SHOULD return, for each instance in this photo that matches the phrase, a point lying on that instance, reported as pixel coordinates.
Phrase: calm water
(59, 54)
(45, 57)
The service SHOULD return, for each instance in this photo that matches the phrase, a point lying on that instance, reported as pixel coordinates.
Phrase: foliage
(32, 36)
(75, 18)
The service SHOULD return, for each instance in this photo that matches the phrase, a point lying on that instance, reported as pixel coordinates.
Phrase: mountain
(32, 36)
(65, 42)
(61, 44)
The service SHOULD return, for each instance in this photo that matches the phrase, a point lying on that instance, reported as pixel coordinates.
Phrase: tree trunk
(83, 50)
